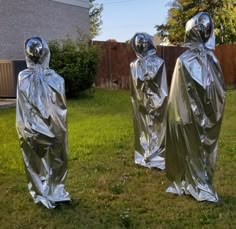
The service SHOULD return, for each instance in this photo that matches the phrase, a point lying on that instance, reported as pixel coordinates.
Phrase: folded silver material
(194, 113)
(149, 94)
(42, 126)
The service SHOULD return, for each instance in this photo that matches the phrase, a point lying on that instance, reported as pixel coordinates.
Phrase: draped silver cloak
(149, 100)
(42, 128)
(195, 111)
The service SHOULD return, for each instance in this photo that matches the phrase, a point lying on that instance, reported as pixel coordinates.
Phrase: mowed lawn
(108, 190)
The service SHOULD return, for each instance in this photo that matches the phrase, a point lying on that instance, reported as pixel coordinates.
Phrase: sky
(123, 18)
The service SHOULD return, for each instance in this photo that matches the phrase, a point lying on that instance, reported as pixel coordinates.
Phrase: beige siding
(7, 80)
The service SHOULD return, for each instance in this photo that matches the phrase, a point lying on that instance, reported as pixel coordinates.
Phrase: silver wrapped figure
(42, 126)
(149, 101)
(194, 113)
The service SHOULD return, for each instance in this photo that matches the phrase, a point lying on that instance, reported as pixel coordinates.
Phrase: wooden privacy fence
(113, 68)
(226, 54)
(115, 58)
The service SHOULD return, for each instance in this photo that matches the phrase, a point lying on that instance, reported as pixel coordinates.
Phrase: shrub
(76, 62)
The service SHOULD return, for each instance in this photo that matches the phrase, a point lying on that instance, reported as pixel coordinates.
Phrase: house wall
(51, 19)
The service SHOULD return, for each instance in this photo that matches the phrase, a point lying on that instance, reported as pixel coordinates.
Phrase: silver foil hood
(200, 30)
(142, 44)
(37, 52)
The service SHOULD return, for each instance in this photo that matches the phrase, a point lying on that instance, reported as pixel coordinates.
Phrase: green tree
(225, 23)
(223, 13)
(95, 18)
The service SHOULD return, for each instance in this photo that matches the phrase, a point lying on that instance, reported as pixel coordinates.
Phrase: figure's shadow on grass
(88, 94)
(228, 200)
(65, 205)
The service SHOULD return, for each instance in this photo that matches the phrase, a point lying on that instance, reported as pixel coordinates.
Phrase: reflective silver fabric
(149, 100)
(194, 114)
(42, 126)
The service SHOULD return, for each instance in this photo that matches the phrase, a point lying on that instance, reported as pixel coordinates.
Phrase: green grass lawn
(108, 190)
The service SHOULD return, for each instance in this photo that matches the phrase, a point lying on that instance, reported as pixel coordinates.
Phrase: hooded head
(142, 43)
(37, 52)
(200, 29)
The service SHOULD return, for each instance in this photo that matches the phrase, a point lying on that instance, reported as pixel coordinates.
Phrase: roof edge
(81, 3)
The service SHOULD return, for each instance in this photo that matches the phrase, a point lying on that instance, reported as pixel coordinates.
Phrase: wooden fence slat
(226, 55)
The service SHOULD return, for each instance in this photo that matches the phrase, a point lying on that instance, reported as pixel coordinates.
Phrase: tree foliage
(223, 13)
(95, 19)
